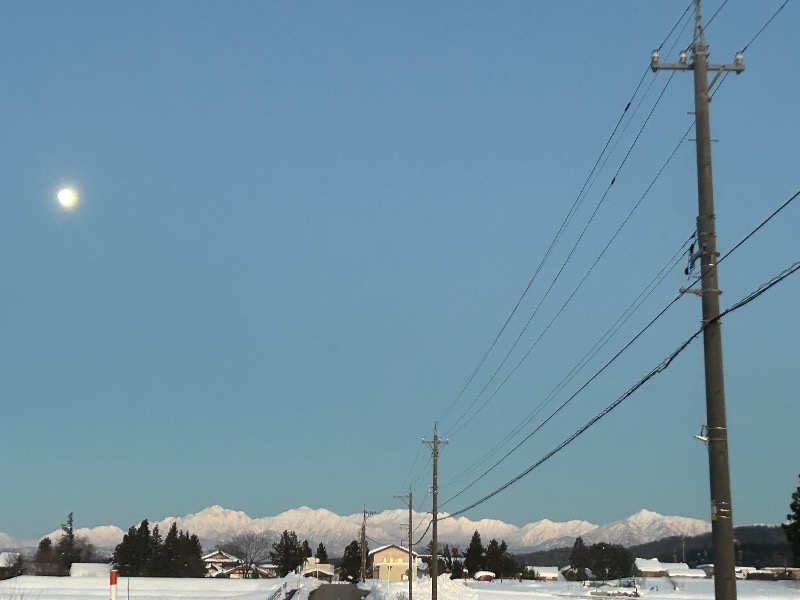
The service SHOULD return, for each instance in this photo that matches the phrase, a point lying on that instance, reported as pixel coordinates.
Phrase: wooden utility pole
(367, 513)
(434, 444)
(412, 570)
(719, 476)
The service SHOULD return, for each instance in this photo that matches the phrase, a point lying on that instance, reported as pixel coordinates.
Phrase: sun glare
(67, 198)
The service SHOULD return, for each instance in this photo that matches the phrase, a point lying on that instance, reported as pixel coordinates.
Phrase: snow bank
(141, 588)
(90, 570)
(446, 589)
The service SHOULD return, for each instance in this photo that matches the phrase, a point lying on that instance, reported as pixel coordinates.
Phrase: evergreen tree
(792, 527)
(442, 559)
(189, 559)
(159, 564)
(143, 554)
(475, 556)
(132, 555)
(580, 559)
(455, 562)
(45, 558)
(493, 556)
(67, 548)
(351, 561)
(508, 564)
(611, 561)
(321, 553)
(287, 553)
(171, 550)
(306, 550)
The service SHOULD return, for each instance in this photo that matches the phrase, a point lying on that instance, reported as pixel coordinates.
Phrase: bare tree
(251, 547)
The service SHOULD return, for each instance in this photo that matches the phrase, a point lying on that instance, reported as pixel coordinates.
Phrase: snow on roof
(686, 572)
(8, 559)
(679, 565)
(480, 574)
(89, 570)
(649, 564)
(371, 552)
(221, 554)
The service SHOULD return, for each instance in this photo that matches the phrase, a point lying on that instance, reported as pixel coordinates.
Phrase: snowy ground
(529, 590)
(141, 588)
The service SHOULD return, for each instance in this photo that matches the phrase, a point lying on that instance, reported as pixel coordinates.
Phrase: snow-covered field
(535, 590)
(88, 588)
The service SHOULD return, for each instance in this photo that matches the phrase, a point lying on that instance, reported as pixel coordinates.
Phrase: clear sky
(300, 225)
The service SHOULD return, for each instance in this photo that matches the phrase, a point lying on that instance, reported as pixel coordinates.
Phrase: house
(484, 576)
(267, 571)
(9, 564)
(648, 567)
(322, 571)
(221, 564)
(390, 563)
(683, 571)
(239, 572)
(543, 573)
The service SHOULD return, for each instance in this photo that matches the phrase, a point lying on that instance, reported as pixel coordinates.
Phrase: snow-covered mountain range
(215, 524)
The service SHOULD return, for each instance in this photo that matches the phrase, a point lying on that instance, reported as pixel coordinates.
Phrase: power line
(755, 37)
(424, 533)
(455, 427)
(658, 316)
(694, 39)
(414, 464)
(572, 397)
(556, 238)
(658, 369)
(590, 354)
(688, 8)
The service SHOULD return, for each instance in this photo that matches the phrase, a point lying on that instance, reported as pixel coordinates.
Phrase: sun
(67, 198)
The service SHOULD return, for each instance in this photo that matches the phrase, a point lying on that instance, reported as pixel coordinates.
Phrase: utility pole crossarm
(736, 67)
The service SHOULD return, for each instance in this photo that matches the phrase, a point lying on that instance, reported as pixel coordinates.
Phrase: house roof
(8, 559)
(221, 555)
(371, 552)
(649, 564)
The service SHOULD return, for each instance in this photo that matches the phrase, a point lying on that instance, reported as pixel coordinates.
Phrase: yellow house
(391, 563)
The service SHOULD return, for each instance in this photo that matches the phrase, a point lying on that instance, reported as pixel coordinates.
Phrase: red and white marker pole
(113, 581)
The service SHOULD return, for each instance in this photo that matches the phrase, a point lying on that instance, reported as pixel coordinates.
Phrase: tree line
(494, 557)
(56, 559)
(143, 553)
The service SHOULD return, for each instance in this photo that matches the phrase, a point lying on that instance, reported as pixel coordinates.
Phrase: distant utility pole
(719, 475)
(434, 444)
(412, 571)
(367, 514)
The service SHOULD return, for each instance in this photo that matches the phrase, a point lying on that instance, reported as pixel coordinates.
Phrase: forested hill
(757, 546)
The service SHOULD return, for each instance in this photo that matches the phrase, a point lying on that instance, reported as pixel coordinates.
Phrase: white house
(390, 563)
(649, 567)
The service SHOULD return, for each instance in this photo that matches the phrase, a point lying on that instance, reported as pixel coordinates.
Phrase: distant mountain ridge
(215, 524)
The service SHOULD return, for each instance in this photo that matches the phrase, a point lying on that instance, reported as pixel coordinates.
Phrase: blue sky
(300, 226)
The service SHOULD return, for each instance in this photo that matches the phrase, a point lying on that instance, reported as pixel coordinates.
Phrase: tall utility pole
(434, 444)
(367, 513)
(719, 475)
(412, 567)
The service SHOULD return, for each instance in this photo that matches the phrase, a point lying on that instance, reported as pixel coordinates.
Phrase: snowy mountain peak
(216, 524)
